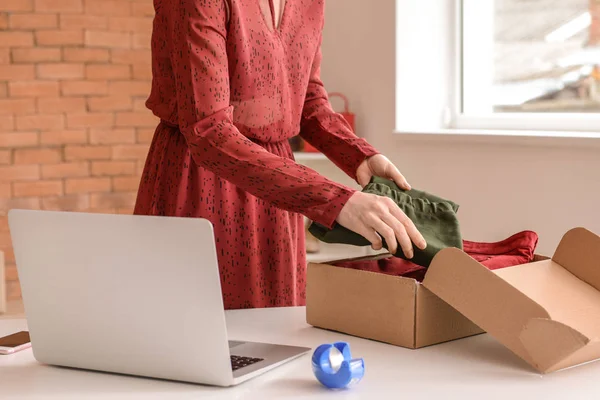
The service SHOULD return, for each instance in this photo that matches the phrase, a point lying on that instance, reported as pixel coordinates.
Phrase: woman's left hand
(379, 165)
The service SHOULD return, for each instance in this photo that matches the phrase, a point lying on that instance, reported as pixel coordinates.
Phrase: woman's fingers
(401, 234)
(412, 231)
(371, 236)
(378, 218)
(397, 177)
(385, 231)
(415, 235)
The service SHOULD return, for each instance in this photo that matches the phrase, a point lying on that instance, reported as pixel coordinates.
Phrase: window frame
(547, 124)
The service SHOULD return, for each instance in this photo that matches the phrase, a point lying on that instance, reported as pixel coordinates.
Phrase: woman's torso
(269, 68)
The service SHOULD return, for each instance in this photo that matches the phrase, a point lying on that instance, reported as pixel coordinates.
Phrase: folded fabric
(433, 216)
(515, 250)
(389, 266)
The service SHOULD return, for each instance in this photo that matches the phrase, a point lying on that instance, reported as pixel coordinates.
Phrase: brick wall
(74, 132)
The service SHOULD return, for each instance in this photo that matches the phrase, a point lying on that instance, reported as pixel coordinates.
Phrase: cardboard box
(390, 309)
(547, 312)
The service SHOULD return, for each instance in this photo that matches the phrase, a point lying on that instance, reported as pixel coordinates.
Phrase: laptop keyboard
(238, 362)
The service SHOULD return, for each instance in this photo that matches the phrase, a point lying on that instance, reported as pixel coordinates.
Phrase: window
(529, 65)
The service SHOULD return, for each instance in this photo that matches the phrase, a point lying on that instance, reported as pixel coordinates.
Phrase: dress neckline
(276, 28)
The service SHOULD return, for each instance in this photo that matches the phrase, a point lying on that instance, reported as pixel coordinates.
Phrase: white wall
(502, 188)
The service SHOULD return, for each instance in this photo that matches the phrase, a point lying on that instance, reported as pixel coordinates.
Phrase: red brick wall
(74, 132)
(595, 27)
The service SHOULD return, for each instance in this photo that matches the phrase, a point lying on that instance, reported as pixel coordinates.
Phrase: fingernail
(423, 245)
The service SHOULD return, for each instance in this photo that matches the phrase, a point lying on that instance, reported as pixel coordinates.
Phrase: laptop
(134, 295)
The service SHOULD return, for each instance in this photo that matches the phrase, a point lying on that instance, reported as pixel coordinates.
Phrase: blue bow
(334, 367)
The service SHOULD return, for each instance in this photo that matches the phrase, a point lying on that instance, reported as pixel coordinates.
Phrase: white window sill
(503, 137)
(306, 156)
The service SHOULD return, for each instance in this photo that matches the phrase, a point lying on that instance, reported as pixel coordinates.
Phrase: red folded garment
(515, 250)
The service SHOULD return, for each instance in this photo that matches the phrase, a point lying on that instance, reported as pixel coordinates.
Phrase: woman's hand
(375, 217)
(379, 165)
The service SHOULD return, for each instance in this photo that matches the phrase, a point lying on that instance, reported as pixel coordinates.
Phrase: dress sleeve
(328, 131)
(197, 32)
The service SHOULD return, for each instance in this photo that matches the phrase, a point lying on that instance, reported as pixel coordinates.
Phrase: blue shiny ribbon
(334, 367)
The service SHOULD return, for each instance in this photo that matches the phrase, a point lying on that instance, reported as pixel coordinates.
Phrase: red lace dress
(230, 90)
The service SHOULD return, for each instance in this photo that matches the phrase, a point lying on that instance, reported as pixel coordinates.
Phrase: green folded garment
(433, 216)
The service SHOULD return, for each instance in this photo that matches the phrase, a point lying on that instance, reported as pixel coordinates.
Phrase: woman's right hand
(375, 217)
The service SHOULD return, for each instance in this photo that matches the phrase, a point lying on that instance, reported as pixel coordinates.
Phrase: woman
(233, 80)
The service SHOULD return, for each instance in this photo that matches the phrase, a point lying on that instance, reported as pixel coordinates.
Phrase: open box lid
(547, 312)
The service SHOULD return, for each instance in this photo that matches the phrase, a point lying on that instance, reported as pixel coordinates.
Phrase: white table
(473, 368)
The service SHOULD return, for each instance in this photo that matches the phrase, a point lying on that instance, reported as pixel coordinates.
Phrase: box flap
(486, 299)
(436, 321)
(579, 253)
(549, 342)
(541, 311)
